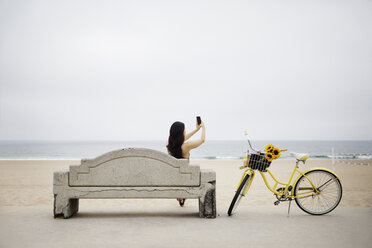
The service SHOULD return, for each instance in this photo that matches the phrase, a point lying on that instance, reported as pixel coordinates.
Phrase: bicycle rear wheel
(238, 195)
(330, 192)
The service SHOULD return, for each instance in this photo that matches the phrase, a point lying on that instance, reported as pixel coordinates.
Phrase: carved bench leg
(207, 204)
(201, 207)
(74, 203)
(65, 207)
(57, 207)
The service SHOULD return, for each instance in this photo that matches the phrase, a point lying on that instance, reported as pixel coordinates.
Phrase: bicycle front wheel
(317, 204)
(238, 195)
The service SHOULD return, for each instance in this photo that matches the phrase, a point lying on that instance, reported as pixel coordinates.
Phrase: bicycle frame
(311, 190)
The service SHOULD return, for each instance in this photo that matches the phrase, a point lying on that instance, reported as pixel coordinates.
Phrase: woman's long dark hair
(176, 139)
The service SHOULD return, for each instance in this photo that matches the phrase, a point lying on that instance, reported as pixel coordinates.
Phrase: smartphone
(198, 119)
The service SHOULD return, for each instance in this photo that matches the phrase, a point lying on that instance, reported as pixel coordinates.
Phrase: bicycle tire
(329, 198)
(237, 197)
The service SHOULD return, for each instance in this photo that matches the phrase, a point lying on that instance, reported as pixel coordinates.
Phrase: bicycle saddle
(300, 156)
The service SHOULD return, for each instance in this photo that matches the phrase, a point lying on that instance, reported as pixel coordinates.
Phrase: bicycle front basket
(258, 162)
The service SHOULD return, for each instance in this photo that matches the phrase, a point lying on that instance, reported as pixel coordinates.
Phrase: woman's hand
(198, 126)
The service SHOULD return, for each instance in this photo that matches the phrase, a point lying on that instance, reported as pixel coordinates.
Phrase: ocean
(228, 149)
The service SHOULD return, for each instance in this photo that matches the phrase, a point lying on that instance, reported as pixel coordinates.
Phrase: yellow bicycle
(316, 191)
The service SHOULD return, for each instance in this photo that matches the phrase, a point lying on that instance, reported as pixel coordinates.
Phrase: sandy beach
(26, 213)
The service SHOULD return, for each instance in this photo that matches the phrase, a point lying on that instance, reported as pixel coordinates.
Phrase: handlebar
(249, 142)
(250, 145)
(269, 152)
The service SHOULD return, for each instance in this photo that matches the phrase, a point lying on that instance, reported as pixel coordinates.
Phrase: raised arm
(195, 143)
(188, 136)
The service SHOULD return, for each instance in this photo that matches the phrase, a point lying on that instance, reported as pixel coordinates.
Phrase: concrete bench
(134, 173)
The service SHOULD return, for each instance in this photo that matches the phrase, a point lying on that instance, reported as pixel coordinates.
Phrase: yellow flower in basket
(276, 153)
(269, 148)
(269, 156)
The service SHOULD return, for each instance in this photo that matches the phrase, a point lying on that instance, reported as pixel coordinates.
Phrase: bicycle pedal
(276, 203)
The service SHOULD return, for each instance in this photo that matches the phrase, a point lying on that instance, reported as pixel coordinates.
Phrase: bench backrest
(134, 167)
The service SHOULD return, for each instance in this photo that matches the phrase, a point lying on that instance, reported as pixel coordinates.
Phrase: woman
(178, 148)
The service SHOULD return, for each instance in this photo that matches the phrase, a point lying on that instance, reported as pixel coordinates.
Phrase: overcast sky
(126, 70)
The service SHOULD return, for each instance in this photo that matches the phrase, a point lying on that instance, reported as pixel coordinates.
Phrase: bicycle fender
(312, 169)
